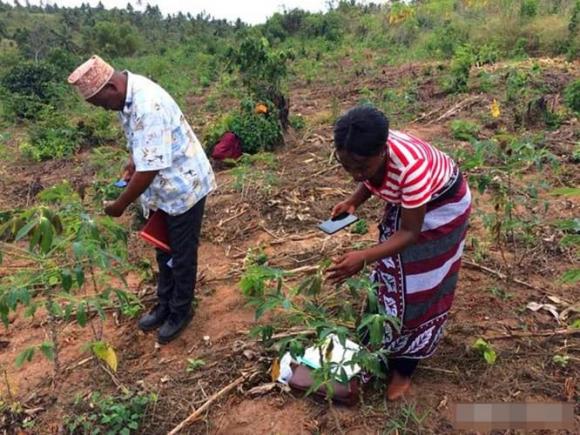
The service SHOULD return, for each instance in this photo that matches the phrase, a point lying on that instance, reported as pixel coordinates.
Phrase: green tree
(263, 72)
(113, 39)
(29, 87)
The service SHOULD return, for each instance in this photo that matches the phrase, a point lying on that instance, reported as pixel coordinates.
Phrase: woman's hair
(363, 130)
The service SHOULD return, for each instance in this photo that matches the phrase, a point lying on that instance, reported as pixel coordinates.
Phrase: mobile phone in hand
(338, 223)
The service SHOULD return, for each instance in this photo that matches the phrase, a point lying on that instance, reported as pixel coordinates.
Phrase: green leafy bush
(444, 40)
(572, 95)
(263, 71)
(28, 88)
(257, 131)
(297, 122)
(529, 8)
(107, 414)
(53, 137)
(98, 128)
(463, 59)
(113, 39)
(64, 62)
(464, 130)
(215, 130)
(328, 26)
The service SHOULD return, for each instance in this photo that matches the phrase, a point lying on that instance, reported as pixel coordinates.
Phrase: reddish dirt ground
(282, 221)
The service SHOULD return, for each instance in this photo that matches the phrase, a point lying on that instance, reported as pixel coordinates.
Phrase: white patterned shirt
(160, 139)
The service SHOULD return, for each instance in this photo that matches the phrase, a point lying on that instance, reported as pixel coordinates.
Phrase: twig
(8, 388)
(114, 378)
(197, 413)
(307, 332)
(303, 269)
(332, 154)
(79, 364)
(435, 369)
(427, 115)
(321, 172)
(290, 333)
(221, 223)
(31, 412)
(570, 331)
(462, 104)
(503, 276)
(267, 231)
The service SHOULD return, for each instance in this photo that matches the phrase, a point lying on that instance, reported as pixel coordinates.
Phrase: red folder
(155, 231)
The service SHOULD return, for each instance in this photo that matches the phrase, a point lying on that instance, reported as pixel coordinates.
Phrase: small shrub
(215, 130)
(486, 82)
(257, 131)
(561, 360)
(297, 122)
(572, 95)
(62, 61)
(529, 8)
(486, 350)
(360, 227)
(328, 26)
(444, 41)
(51, 138)
(461, 64)
(487, 54)
(516, 82)
(194, 364)
(28, 88)
(464, 130)
(97, 129)
(107, 414)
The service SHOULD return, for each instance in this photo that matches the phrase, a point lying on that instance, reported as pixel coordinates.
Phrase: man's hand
(346, 266)
(343, 207)
(114, 208)
(129, 170)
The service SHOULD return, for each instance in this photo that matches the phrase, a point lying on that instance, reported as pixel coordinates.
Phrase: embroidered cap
(91, 77)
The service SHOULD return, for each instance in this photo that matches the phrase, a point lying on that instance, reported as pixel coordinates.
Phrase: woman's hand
(346, 266)
(343, 207)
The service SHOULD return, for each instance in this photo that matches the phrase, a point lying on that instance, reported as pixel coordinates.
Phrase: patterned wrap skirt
(418, 285)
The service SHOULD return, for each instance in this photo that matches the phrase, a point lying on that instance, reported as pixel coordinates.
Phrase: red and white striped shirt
(415, 171)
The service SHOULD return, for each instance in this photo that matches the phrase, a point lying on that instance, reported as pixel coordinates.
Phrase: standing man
(167, 169)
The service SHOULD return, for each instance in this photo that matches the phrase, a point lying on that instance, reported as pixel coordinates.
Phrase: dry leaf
(250, 354)
(261, 390)
(495, 110)
(572, 309)
(106, 353)
(556, 300)
(443, 403)
(275, 370)
(534, 306)
(261, 108)
(569, 388)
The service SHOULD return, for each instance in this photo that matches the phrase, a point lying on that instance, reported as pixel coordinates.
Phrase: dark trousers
(176, 283)
(403, 366)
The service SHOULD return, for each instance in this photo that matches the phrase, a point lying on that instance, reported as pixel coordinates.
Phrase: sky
(250, 11)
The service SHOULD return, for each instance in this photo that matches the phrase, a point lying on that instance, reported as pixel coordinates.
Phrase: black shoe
(173, 326)
(155, 318)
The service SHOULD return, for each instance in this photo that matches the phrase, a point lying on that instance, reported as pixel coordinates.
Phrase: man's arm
(139, 182)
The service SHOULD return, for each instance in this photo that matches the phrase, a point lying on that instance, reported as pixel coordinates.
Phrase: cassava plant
(320, 310)
(65, 263)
